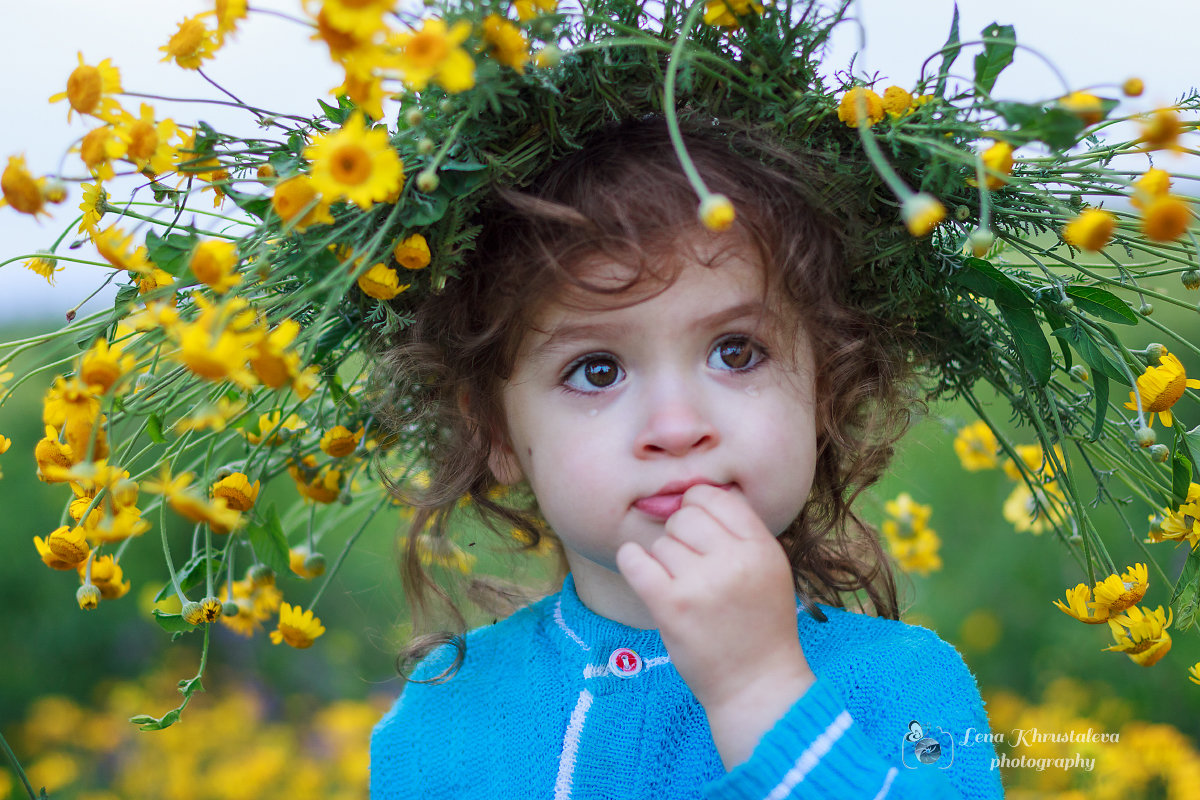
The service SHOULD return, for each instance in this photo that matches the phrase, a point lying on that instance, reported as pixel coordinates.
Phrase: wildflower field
(198, 560)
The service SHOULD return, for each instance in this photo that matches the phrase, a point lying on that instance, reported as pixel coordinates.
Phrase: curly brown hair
(792, 208)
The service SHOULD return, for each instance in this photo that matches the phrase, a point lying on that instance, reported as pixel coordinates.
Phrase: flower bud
(261, 575)
(548, 56)
(427, 181)
(425, 146)
(314, 564)
(1133, 87)
(1154, 352)
(1190, 279)
(54, 191)
(980, 241)
(88, 596)
(265, 173)
(229, 608)
(1146, 309)
(1145, 436)
(716, 212)
(961, 213)
(1080, 373)
(414, 117)
(922, 213)
(446, 105)
(1159, 453)
(192, 613)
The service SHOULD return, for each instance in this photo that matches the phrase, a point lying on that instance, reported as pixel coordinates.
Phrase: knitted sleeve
(818, 749)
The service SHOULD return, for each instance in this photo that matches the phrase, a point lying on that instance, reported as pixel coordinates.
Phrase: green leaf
(1103, 304)
(424, 211)
(984, 279)
(155, 429)
(253, 204)
(1019, 115)
(1057, 127)
(172, 623)
(950, 51)
(1093, 356)
(1030, 342)
(1100, 388)
(999, 43)
(1181, 476)
(172, 252)
(1188, 443)
(1184, 598)
(1056, 321)
(268, 541)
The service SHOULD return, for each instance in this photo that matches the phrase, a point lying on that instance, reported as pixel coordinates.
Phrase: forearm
(739, 723)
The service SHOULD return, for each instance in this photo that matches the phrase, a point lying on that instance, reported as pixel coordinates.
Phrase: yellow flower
(45, 266)
(412, 253)
(724, 13)
(52, 457)
(323, 485)
(190, 45)
(1091, 230)
(20, 188)
(214, 263)
(355, 164)
(147, 143)
(237, 491)
(922, 213)
(243, 623)
(299, 204)
(305, 563)
(205, 611)
(1133, 87)
(1155, 183)
(267, 433)
(1161, 387)
(1142, 634)
(1194, 673)
(1119, 592)
(717, 213)
(359, 18)
(88, 596)
(363, 84)
(1035, 461)
(5, 443)
(918, 553)
(211, 417)
(90, 89)
(906, 517)
(92, 207)
(216, 514)
(1080, 606)
(272, 361)
(103, 365)
(117, 248)
(508, 43)
(298, 629)
(1035, 512)
(1160, 130)
(998, 159)
(849, 111)
(1175, 524)
(1165, 219)
(977, 447)
(49, 558)
(339, 441)
(433, 53)
(381, 282)
(69, 544)
(897, 101)
(228, 12)
(107, 577)
(216, 345)
(97, 150)
(1083, 105)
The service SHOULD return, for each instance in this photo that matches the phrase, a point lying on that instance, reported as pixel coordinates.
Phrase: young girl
(693, 413)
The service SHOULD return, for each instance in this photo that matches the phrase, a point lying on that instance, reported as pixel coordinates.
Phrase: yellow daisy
(1091, 230)
(214, 263)
(298, 628)
(506, 41)
(977, 447)
(1035, 512)
(191, 45)
(339, 441)
(359, 18)
(237, 491)
(849, 107)
(1161, 387)
(381, 282)
(1142, 634)
(90, 89)
(724, 13)
(1119, 592)
(299, 204)
(355, 164)
(1080, 606)
(20, 188)
(433, 53)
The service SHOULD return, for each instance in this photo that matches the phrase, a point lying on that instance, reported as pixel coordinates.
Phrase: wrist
(739, 720)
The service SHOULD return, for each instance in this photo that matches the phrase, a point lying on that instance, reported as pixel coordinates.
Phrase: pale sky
(272, 64)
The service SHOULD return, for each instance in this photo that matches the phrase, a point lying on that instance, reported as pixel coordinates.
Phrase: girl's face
(606, 408)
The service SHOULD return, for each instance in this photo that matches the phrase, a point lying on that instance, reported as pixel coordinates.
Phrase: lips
(669, 498)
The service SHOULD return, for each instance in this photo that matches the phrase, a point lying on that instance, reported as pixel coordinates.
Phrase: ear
(501, 459)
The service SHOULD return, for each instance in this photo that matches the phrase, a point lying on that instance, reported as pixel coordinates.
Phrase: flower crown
(230, 358)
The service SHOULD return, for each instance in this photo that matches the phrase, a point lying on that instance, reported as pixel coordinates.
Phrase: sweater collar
(592, 638)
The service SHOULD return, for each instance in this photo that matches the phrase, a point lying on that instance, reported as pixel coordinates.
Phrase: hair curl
(795, 208)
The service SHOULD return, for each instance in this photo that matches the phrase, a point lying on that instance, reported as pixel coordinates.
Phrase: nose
(676, 423)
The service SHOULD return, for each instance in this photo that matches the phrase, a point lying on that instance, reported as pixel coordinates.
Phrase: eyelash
(574, 366)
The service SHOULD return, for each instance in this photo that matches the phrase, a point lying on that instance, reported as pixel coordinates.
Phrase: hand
(719, 587)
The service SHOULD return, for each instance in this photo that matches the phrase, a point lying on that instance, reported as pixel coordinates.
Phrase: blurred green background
(992, 600)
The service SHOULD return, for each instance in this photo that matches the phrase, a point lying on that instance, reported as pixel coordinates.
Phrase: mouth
(669, 499)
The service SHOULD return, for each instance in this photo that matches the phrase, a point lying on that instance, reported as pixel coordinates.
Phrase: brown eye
(599, 373)
(736, 353)
(591, 374)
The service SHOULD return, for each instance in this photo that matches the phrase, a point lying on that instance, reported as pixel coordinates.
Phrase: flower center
(351, 164)
(427, 49)
(83, 89)
(1170, 393)
(187, 40)
(143, 141)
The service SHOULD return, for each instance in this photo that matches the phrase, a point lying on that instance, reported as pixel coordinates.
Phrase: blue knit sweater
(548, 705)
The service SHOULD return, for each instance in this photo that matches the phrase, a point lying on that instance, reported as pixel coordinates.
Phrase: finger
(674, 555)
(642, 571)
(696, 528)
(729, 508)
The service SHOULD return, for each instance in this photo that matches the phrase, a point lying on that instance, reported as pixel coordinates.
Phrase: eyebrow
(565, 335)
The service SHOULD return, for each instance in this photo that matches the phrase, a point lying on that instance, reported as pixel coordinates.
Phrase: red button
(624, 663)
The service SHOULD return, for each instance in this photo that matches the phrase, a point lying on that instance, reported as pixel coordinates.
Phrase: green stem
(16, 766)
